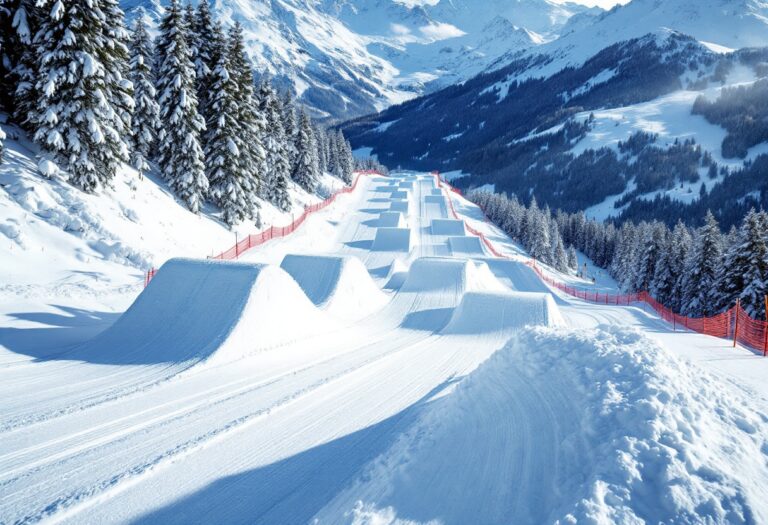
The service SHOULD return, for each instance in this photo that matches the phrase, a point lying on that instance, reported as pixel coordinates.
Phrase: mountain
(346, 58)
(621, 110)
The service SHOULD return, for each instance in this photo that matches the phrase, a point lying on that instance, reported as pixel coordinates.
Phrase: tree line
(94, 95)
(697, 272)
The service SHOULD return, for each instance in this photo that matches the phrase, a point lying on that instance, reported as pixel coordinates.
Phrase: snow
(447, 227)
(320, 380)
(389, 239)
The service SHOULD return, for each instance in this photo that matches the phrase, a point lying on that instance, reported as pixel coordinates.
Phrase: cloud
(441, 31)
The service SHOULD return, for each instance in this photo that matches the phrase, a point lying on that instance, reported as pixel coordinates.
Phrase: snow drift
(626, 432)
(196, 309)
(341, 286)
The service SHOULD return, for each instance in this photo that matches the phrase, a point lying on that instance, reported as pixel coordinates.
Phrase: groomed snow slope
(424, 410)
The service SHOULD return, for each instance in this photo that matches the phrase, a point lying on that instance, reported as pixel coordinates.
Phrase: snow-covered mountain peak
(349, 57)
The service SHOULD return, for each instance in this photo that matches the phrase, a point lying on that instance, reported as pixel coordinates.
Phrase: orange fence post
(736, 326)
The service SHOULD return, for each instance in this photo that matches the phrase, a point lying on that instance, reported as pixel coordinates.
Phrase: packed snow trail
(324, 377)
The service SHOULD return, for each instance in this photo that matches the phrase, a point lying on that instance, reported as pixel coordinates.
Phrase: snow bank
(436, 274)
(392, 240)
(447, 227)
(340, 285)
(563, 426)
(194, 310)
(487, 313)
(391, 219)
(466, 245)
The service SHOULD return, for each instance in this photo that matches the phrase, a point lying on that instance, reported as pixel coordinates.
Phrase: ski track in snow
(395, 410)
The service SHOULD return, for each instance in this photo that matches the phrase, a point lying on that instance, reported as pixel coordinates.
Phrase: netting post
(765, 328)
(736, 323)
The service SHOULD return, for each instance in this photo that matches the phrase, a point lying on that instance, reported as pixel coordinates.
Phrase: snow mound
(398, 272)
(340, 285)
(391, 219)
(435, 191)
(434, 199)
(486, 313)
(627, 433)
(194, 310)
(406, 185)
(392, 240)
(437, 274)
(466, 244)
(399, 205)
(447, 227)
(399, 194)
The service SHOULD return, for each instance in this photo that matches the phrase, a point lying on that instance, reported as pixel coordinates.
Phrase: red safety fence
(735, 324)
(275, 232)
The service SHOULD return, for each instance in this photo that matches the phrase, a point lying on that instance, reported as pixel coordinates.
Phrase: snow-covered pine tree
(305, 171)
(752, 263)
(700, 287)
(203, 31)
(146, 120)
(651, 245)
(277, 167)
(333, 154)
(19, 20)
(680, 245)
(230, 187)
(664, 276)
(251, 121)
(537, 233)
(180, 153)
(573, 260)
(81, 62)
(290, 127)
(322, 141)
(731, 274)
(346, 159)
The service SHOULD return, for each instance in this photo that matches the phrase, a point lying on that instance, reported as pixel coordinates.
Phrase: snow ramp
(400, 205)
(341, 286)
(391, 219)
(438, 274)
(392, 240)
(494, 312)
(194, 310)
(447, 227)
(465, 245)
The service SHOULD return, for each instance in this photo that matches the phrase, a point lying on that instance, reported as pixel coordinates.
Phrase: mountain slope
(345, 58)
(528, 128)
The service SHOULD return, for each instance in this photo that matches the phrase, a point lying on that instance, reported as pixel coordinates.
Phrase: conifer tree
(747, 265)
(146, 120)
(680, 246)
(19, 22)
(82, 94)
(180, 153)
(290, 128)
(249, 118)
(230, 185)
(700, 292)
(573, 260)
(203, 31)
(277, 168)
(305, 171)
